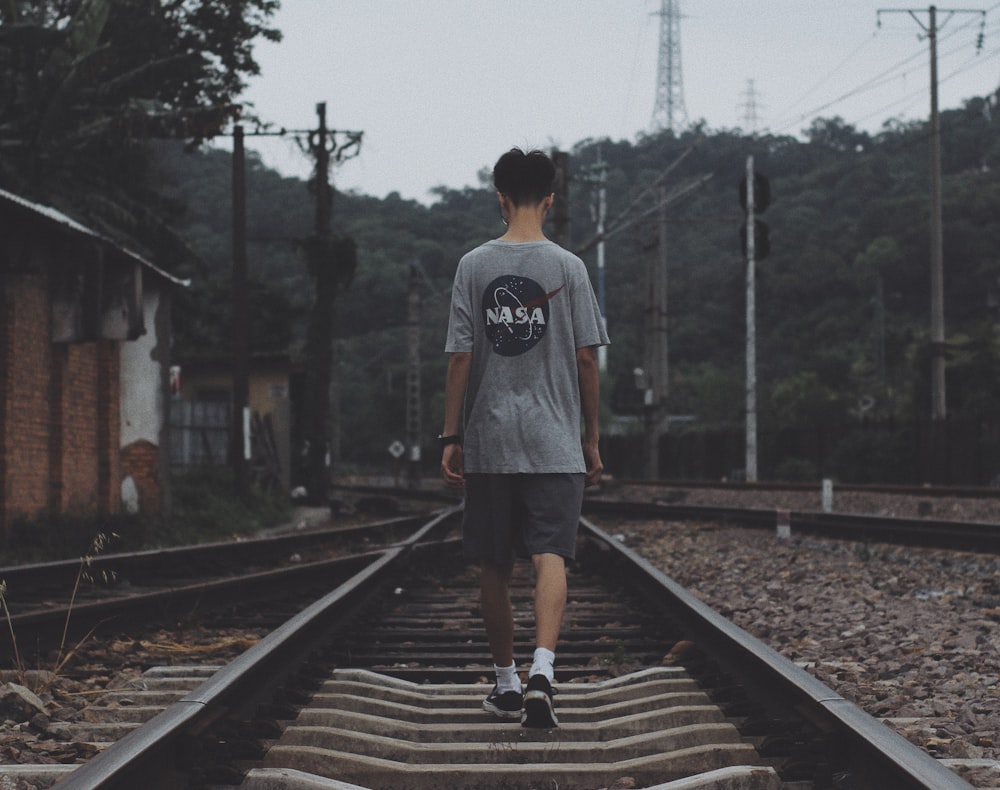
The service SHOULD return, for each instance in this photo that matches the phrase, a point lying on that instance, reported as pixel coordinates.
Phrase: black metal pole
(241, 343)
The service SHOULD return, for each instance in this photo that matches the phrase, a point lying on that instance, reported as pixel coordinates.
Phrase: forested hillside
(849, 238)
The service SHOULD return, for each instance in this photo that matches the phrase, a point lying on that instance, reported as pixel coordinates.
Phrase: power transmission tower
(669, 112)
(750, 107)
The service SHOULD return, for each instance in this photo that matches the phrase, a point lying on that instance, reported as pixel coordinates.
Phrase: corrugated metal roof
(69, 223)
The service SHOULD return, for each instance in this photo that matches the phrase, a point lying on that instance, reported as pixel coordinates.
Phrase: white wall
(142, 386)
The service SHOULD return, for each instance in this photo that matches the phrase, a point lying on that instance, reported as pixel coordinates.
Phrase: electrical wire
(881, 79)
(831, 73)
(921, 93)
(640, 46)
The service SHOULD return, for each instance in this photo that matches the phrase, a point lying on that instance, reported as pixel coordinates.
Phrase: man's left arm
(589, 379)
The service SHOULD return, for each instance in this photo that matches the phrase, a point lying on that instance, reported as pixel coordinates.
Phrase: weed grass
(204, 509)
(44, 680)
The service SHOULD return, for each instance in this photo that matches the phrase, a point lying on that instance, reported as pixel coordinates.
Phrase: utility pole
(656, 357)
(601, 212)
(319, 356)
(597, 175)
(939, 409)
(413, 375)
(331, 263)
(751, 382)
(240, 418)
(561, 220)
(755, 240)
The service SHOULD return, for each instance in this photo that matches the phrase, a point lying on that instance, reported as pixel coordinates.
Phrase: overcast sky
(441, 88)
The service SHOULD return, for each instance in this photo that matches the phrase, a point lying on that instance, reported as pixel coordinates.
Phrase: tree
(835, 134)
(84, 83)
(870, 264)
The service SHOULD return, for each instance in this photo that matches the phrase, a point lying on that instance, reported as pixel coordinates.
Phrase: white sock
(542, 663)
(507, 679)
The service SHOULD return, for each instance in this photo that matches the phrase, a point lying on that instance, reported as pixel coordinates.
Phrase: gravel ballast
(908, 634)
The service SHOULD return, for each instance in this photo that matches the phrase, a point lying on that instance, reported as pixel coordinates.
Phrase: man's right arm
(456, 383)
(589, 379)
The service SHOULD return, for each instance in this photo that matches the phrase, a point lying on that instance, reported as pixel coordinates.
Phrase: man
(522, 335)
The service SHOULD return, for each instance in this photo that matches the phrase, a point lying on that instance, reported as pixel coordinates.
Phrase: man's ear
(505, 204)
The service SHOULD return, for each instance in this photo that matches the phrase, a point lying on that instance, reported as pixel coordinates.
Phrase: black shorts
(508, 516)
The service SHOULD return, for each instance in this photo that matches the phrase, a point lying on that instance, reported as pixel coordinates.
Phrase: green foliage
(66, 536)
(90, 86)
(848, 230)
(205, 508)
(85, 83)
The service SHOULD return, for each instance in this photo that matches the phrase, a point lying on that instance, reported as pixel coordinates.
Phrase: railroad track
(955, 535)
(126, 588)
(980, 536)
(378, 684)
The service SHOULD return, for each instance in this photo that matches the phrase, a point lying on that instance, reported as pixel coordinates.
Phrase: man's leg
(550, 603)
(494, 587)
(506, 699)
(550, 598)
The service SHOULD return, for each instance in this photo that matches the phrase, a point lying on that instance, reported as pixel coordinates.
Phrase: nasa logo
(516, 313)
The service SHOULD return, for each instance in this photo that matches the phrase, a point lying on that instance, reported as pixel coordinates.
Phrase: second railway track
(379, 685)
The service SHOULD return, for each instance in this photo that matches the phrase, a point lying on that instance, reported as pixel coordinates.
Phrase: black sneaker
(505, 706)
(538, 710)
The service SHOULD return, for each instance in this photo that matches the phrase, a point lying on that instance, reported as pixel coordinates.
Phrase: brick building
(84, 370)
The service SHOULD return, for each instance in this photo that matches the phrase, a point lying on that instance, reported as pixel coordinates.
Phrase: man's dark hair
(524, 177)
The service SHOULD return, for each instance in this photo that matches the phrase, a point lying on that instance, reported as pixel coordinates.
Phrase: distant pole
(656, 357)
(938, 406)
(602, 211)
(562, 230)
(413, 401)
(241, 342)
(322, 153)
(320, 331)
(939, 410)
(751, 384)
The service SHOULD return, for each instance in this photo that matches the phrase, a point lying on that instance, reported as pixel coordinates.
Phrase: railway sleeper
(382, 732)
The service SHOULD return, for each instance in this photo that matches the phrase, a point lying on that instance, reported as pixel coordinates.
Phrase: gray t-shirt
(523, 309)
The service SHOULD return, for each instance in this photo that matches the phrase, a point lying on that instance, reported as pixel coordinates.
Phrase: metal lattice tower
(669, 111)
(750, 106)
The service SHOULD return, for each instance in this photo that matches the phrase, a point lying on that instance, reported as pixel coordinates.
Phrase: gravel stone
(908, 634)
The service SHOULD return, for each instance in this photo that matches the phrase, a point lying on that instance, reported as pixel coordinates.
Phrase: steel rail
(971, 492)
(877, 756)
(162, 573)
(42, 626)
(150, 756)
(232, 552)
(958, 535)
